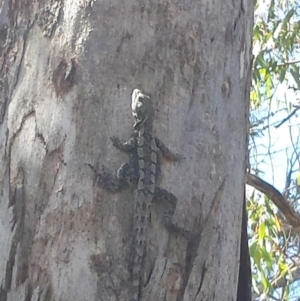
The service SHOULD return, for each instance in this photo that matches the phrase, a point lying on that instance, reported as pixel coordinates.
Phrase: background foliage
(274, 149)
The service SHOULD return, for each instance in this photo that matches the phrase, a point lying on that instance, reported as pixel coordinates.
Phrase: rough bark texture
(67, 70)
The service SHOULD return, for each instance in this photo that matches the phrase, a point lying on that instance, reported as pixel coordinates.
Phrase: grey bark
(67, 73)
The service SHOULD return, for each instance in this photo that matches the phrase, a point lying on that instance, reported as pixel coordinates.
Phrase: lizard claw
(114, 140)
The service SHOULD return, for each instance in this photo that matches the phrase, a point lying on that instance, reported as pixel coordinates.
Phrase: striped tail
(141, 218)
(137, 272)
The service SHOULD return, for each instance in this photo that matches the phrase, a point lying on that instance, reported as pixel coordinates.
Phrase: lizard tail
(136, 277)
(139, 243)
(137, 263)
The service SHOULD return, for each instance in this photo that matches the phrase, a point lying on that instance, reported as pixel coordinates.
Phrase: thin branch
(291, 216)
(287, 118)
(288, 63)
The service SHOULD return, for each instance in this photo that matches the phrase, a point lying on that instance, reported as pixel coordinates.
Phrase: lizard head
(142, 108)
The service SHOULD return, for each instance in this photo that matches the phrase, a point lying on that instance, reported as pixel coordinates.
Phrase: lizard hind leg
(127, 172)
(161, 194)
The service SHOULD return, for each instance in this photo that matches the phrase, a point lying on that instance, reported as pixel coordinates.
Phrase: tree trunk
(68, 69)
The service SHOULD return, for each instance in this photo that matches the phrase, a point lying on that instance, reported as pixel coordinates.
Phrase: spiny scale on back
(143, 112)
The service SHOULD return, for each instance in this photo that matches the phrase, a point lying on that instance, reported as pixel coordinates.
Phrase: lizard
(141, 173)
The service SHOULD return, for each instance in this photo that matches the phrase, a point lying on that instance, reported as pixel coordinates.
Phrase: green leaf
(296, 77)
(255, 253)
(289, 15)
(298, 179)
(262, 232)
(265, 282)
(271, 12)
(298, 182)
(282, 75)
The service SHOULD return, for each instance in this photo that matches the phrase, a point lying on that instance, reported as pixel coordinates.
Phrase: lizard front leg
(126, 174)
(112, 183)
(124, 146)
(161, 194)
(168, 154)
